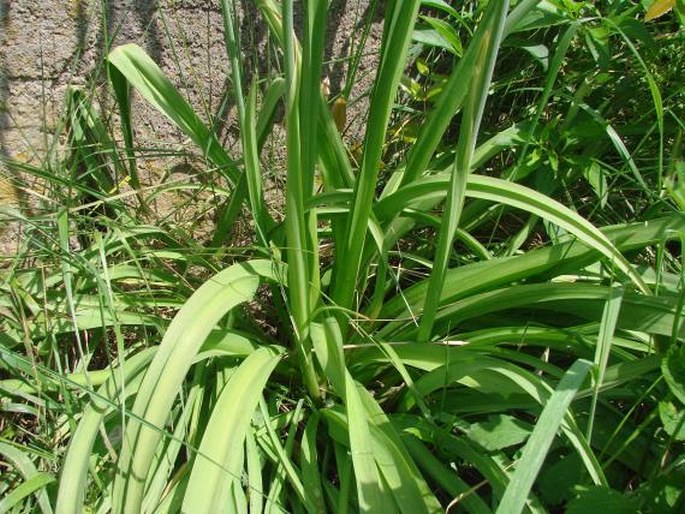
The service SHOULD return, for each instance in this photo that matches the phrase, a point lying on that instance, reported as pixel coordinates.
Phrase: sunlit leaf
(659, 8)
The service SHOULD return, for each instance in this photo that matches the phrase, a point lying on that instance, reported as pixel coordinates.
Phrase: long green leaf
(521, 197)
(300, 232)
(142, 72)
(219, 462)
(539, 264)
(473, 112)
(166, 373)
(535, 451)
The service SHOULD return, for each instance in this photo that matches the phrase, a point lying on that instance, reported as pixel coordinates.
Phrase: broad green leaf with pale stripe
(217, 467)
(166, 373)
(541, 439)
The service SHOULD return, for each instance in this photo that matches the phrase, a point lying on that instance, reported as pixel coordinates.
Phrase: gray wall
(47, 45)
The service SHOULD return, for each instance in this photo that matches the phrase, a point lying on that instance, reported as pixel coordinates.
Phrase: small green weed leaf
(500, 431)
(544, 14)
(673, 368)
(673, 419)
(596, 177)
(663, 492)
(422, 67)
(431, 37)
(602, 499)
(556, 481)
(540, 441)
(447, 33)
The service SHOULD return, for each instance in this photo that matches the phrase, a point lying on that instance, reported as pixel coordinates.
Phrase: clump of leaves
(393, 377)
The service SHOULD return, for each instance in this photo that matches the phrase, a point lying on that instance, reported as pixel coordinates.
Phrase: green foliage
(502, 303)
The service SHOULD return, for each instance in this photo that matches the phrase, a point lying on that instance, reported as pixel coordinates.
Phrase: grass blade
(23, 464)
(603, 349)
(475, 104)
(33, 484)
(538, 444)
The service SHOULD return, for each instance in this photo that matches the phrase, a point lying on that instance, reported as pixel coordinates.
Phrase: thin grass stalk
(486, 56)
(396, 39)
(122, 92)
(298, 241)
(603, 349)
(555, 67)
(310, 102)
(247, 117)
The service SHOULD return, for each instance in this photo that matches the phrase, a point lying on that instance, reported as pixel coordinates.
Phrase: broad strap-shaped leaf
(538, 264)
(218, 464)
(371, 492)
(521, 197)
(163, 379)
(72, 484)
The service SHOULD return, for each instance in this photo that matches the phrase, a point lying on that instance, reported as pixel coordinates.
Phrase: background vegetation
(476, 309)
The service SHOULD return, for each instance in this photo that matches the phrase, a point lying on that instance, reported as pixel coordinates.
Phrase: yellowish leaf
(659, 8)
(339, 110)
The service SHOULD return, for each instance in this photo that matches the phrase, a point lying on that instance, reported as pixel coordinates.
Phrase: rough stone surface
(47, 46)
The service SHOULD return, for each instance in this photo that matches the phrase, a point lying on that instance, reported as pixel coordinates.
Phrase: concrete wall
(48, 45)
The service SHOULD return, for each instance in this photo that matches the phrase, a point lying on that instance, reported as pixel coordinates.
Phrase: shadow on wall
(115, 28)
(93, 32)
(115, 18)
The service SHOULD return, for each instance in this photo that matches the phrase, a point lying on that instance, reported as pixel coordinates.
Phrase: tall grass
(474, 332)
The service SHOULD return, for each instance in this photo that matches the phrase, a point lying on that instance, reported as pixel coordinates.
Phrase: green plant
(400, 374)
